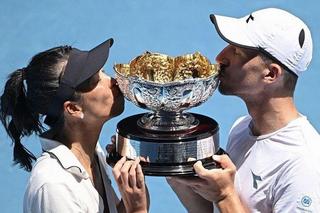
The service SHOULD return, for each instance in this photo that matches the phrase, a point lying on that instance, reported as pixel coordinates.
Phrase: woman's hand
(112, 146)
(113, 156)
(130, 180)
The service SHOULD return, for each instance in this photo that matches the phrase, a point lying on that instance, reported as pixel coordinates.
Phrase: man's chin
(225, 91)
(222, 90)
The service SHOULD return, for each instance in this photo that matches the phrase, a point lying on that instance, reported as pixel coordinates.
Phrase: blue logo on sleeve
(306, 201)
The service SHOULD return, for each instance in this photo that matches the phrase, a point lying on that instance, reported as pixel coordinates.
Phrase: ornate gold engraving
(161, 68)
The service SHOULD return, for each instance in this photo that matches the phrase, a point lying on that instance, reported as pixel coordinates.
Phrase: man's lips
(222, 71)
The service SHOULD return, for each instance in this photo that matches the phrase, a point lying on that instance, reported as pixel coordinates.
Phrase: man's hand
(214, 185)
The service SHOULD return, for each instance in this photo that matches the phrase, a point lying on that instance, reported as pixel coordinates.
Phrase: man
(274, 150)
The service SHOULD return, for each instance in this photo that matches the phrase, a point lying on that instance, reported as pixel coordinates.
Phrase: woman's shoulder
(48, 184)
(47, 170)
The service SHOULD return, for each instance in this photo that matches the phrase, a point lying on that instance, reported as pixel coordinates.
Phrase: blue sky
(171, 27)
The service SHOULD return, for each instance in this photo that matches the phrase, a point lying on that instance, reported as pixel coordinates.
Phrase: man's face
(241, 72)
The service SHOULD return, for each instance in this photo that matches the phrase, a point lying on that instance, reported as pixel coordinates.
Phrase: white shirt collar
(64, 156)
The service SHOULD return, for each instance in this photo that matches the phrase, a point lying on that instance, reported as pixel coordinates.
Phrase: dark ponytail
(25, 99)
(17, 118)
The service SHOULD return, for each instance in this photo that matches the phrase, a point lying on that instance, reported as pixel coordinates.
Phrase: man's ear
(273, 72)
(73, 109)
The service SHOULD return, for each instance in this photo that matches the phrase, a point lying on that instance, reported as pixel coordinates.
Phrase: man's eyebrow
(249, 52)
(242, 51)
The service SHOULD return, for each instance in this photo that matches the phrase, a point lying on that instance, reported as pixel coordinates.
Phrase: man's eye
(237, 52)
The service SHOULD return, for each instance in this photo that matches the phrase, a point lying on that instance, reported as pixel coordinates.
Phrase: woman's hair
(26, 98)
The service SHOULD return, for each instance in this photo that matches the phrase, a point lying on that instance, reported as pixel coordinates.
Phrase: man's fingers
(224, 161)
(200, 170)
(191, 159)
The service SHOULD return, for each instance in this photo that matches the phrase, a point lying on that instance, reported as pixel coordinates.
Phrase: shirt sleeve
(56, 197)
(297, 189)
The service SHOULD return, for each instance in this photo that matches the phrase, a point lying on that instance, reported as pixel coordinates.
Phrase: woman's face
(104, 101)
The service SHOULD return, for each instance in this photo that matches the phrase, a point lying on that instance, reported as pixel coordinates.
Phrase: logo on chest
(255, 179)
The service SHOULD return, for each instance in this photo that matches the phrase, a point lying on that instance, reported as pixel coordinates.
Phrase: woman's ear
(273, 72)
(73, 109)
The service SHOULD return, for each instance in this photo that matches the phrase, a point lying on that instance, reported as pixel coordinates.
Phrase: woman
(69, 88)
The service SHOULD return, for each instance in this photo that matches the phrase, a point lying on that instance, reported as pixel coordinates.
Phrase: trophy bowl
(168, 139)
(170, 93)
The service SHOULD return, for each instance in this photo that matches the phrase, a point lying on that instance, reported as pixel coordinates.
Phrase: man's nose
(223, 58)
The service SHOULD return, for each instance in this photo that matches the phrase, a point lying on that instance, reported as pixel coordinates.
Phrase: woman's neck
(82, 141)
(85, 155)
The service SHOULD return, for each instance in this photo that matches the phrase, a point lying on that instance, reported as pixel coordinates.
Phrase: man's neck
(271, 115)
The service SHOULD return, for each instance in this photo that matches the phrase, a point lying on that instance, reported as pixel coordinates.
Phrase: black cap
(81, 66)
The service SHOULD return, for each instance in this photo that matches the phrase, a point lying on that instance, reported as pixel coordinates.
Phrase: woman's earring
(82, 115)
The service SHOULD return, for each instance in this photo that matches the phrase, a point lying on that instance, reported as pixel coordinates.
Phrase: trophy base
(168, 153)
(183, 169)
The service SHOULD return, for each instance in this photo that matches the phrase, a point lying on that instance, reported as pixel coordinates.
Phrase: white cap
(276, 32)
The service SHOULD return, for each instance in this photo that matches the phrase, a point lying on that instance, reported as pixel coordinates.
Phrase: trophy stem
(163, 121)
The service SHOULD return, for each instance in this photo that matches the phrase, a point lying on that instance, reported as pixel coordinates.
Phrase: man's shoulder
(241, 124)
(243, 120)
(238, 134)
(308, 130)
(298, 135)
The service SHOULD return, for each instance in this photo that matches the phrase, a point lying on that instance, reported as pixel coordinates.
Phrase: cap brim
(232, 30)
(81, 66)
(96, 59)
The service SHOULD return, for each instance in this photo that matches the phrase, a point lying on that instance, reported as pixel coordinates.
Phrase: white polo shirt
(59, 183)
(277, 172)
